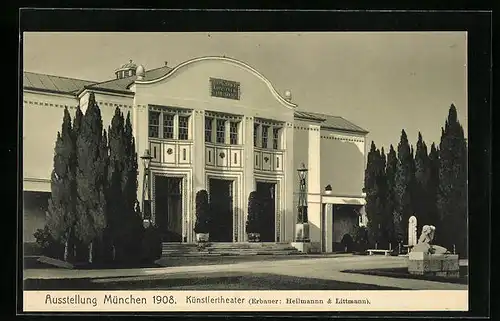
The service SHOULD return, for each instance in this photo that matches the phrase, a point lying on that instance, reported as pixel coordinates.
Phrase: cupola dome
(126, 70)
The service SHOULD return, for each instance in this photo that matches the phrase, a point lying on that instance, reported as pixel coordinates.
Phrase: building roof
(331, 122)
(55, 84)
(122, 85)
(74, 86)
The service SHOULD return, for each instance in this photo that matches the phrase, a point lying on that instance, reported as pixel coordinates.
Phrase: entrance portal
(345, 220)
(168, 208)
(221, 209)
(267, 194)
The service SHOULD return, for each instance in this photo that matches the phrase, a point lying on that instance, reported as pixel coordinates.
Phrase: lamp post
(146, 190)
(302, 221)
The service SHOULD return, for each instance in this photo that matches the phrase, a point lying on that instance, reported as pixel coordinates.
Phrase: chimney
(166, 63)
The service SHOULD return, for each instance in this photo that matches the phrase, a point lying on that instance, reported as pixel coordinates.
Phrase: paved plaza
(325, 268)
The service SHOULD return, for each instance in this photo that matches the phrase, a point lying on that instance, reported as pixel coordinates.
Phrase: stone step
(230, 253)
(227, 249)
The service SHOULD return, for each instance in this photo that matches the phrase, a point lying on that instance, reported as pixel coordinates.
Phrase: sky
(383, 82)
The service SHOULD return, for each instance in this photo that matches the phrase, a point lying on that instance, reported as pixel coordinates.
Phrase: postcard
(244, 171)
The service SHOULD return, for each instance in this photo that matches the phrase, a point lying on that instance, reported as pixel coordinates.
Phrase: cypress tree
(432, 188)
(130, 166)
(383, 192)
(370, 169)
(390, 207)
(421, 200)
(61, 216)
(135, 227)
(125, 224)
(90, 178)
(114, 195)
(403, 188)
(368, 189)
(77, 123)
(374, 189)
(452, 196)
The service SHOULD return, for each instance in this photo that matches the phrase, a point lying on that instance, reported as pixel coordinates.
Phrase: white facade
(252, 135)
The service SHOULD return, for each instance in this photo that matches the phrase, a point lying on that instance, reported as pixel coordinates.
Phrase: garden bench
(386, 252)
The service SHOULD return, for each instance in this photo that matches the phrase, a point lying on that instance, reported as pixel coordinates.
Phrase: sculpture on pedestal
(425, 242)
(426, 258)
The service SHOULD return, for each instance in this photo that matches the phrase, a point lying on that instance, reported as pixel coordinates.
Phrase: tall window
(264, 136)
(168, 126)
(276, 133)
(183, 127)
(154, 124)
(221, 131)
(208, 129)
(255, 132)
(233, 133)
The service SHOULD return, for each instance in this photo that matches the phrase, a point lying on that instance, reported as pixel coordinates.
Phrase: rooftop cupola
(126, 70)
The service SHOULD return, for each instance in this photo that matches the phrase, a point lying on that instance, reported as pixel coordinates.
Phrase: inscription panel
(223, 88)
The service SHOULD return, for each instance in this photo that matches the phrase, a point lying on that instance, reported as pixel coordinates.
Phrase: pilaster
(288, 217)
(248, 169)
(314, 183)
(328, 227)
(140, 129)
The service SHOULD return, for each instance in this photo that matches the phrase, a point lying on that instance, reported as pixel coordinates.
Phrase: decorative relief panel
(236, 158)
(155, 150)
(210, 156)
(169, 155)
(225, 157)
(257, 160)
(277, 164)
(266, 161)
(184, 154)
(222, 157)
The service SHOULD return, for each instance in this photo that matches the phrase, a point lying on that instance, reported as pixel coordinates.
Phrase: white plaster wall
(42, 119)
(342, 163)
(189, 87)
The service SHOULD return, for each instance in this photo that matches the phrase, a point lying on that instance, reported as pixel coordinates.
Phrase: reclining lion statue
(424, 243)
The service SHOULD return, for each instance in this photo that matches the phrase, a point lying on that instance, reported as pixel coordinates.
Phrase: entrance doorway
(168, 207)
(221, 209)
(267, 194)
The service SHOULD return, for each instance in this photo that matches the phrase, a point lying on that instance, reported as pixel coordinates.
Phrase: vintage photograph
(244, 161)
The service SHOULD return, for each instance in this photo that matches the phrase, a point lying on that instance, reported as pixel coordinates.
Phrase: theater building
(211, 123)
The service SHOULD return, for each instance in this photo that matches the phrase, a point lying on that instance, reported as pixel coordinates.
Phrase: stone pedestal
(423, 263)
(302, 232)
(304, 247)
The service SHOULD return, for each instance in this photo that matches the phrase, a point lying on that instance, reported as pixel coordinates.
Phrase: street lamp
(146, 190)
(302, 224)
